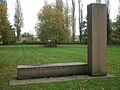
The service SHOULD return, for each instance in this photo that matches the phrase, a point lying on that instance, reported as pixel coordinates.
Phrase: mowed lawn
(11, 56)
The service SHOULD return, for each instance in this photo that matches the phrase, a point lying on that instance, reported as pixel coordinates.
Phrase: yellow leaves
(115, 66)
(53, 24)
(3, 14)
(102, 88)
(5, 27)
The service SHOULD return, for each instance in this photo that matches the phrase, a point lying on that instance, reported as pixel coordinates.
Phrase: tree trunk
(51, 44)
(73, 26)
(119, 8)
(80, 20)
(108, 20)
(98, 1)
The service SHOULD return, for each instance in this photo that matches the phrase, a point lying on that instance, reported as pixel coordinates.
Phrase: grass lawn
(11, 56)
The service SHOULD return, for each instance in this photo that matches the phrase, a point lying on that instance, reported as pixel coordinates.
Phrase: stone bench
(51, 70)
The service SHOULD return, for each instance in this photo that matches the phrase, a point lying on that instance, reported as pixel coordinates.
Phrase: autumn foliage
(6, 32)
(53, 25)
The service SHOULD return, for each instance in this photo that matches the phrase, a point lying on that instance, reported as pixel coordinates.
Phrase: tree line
(7, 31)
(113, 28)
(56, 23)
(46, 28)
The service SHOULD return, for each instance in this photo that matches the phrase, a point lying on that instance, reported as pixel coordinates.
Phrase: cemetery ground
(11, 56)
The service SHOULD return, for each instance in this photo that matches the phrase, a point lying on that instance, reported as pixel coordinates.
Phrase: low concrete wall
(51, 70)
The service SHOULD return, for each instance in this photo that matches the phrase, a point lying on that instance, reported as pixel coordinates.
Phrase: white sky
(30, 8)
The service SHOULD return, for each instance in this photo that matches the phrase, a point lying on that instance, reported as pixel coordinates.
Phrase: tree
(109, 29)
(3, 2)
(18, 19)
(115, 34)
(119, 8)
(73, 24)
(51, 26)
(59, 5)
(80, 19)
(84, 35)
(66, 15)
(108, 5)
(98, 1)
(6, 32)
(45, 1)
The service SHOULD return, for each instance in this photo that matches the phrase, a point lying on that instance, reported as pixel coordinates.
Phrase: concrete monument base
(51, 70)
(97, 60)
(14, 81)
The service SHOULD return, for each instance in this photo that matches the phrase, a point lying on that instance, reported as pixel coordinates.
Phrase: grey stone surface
(51, 70)
(51, 65)
(14, 81)
(97, 39)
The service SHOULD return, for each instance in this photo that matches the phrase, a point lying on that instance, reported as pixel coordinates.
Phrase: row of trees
(7, 32)
(114, 36)
(113, 28)
(115, 33)
(55, 22)
(18, 19)
(60, 26)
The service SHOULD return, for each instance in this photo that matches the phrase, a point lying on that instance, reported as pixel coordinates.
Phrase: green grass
(11, 56)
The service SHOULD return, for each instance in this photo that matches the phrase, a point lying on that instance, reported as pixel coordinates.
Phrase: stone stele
(97, 39)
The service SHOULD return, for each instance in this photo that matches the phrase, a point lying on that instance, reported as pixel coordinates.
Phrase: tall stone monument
(97, 39)
(97, 43)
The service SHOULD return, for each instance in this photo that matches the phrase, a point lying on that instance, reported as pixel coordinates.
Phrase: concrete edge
(51, 65)
(15, 82)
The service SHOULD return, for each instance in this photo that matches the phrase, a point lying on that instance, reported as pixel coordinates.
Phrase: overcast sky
(30, 8)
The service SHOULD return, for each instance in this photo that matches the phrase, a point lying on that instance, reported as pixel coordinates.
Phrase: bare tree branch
(98, 1)
(73, 26)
